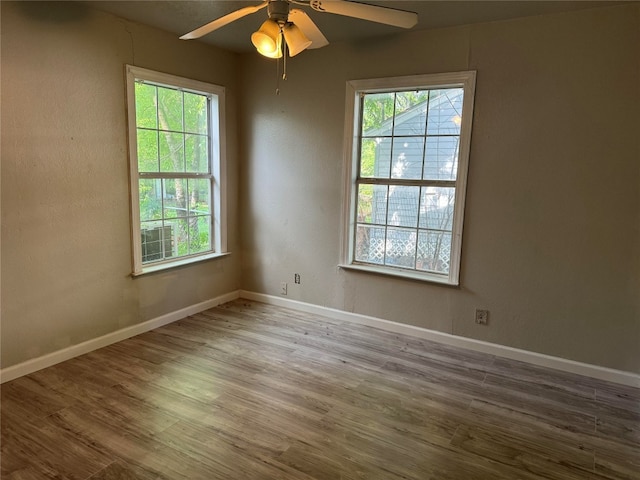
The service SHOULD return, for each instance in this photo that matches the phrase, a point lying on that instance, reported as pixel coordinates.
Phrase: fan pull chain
(278, 76)
(284, 63)
(284, 60)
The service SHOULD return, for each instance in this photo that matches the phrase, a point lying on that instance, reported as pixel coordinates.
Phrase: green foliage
(379, 108)
(172, 130)
(368, 157)
(408, 100)
(150, 203)
(170, 106)
(195, 113)
(146, 101)
(365, 205)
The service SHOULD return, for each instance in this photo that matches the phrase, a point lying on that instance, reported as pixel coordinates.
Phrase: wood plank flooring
(251, 391)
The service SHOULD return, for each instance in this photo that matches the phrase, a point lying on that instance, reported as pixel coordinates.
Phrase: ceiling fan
(292, 29)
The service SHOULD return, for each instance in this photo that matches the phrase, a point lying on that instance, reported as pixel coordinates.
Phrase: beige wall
(65, 212)
(552, 227)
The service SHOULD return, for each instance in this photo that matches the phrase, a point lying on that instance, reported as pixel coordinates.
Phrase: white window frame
(217, 174)
(354, 90)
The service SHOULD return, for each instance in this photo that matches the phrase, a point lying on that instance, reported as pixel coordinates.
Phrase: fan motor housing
(278, 10)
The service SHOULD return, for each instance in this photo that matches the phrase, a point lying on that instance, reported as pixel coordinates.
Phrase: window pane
(174, 193)
(157, 241)
(368, 155)
(377, 114)
(375, 159)
(199, 196)
(365, 204)
(407, 157)
(170, 109)
(441, 158)
(411, 113)
(372, 204)
(175, 207)
(436, 208)
(379, 204)
(171, 152)
(196, 153)
(434, 251)
(369, 244)
(400, 247)
(182, 239)
(195, 113)
(199, 234)
(147, 150)
(445, 112)
(146, 115)
(150, 192)
(403, 206)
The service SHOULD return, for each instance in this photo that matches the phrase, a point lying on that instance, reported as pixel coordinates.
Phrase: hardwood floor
(251, 391)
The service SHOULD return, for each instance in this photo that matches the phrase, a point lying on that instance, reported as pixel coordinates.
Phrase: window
(176, 148)
(407, 149)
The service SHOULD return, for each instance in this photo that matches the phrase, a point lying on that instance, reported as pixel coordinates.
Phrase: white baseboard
(50, 359)
(594, 371)
(557, 363)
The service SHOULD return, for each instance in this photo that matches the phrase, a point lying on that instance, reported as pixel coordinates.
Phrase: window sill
(159, 267)
(400, 273)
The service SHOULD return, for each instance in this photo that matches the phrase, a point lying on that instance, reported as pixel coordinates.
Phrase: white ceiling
(182, 16)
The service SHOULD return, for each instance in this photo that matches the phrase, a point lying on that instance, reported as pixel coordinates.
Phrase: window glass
(174, 168)
(410, 158)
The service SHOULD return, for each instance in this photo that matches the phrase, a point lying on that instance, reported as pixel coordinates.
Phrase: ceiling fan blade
(364, 11)
(312, 32)
(222, 21)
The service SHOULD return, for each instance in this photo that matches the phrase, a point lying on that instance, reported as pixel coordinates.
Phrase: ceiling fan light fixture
(268, 39)
(296, 40)
(276, 53)
(293, 28)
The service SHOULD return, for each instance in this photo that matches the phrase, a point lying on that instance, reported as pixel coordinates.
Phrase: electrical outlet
(296, 278)
(482, 317)
(283, 288)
